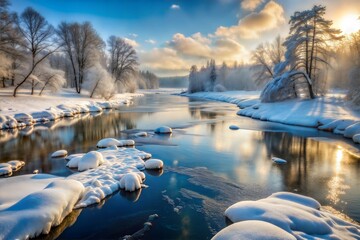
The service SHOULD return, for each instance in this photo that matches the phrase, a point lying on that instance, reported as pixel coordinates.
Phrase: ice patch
(59, 153)
(278, 160)
(295, 214)
(163, 130)
(154, 164)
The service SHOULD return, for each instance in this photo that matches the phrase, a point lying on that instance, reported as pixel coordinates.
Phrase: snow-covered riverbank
(329, 113)
(25, 110)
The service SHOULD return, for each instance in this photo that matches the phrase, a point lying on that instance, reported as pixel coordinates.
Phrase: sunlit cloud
(150, 41)
(252, 25)
(250, 5)
(131, 42)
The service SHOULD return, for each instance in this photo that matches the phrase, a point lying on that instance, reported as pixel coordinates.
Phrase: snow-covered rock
(90, 160)
(5, 169)
(107, 142)
(356, 138)
(23, 118)
(59, 153)
(351, 130)
(40, 202)
(278, 160)
(16, 164)
(131, 182)
(234, 127)
(154, 164)
(74, 162)
(295, 214)
(95, 108)
(254, 230)
(71, 156)
(141, 134)
(163, 130)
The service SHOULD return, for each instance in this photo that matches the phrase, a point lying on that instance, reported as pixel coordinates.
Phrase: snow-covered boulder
(351, 130)
(74, 162)
(254, 230)
(11, 122)
(24, 118)
(234, 127)
(5, 169)
(107, 142)
(278, 160)
(49, 114)
(59, 153)
(163, 130)
(356, 138)
(131, 181)
(90, 160)
(16, 164)
(296, 214)
(141, 134)
(154, 164)
(71, 156)
(95, 108)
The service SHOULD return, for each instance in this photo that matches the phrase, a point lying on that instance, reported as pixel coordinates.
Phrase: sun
(350, 23)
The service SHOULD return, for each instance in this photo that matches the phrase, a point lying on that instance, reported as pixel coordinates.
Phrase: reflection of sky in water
(322, 169)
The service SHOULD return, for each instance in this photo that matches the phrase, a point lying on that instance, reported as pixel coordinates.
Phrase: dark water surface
(208, 167)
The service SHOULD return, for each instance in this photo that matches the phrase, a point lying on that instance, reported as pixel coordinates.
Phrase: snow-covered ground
(32, 204)
(285, 215)
(329, 113)
(26, 109)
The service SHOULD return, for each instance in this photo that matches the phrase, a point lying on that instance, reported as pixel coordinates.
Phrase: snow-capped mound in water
(356, 138)
(254, 230)
(24, 118)
(295, 214)
(59, 153)
(69, 157)
(107, 142)
(163, 129)
(154, 164)
(234, 127)
(141, 134)
(278, 160)
(10, 167)
(131, 181)
(352, 130)
(40, 202)
(74, 162)
(90, 160)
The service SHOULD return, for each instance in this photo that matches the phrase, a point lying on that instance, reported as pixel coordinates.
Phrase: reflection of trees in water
(312, 165)
(35, 148)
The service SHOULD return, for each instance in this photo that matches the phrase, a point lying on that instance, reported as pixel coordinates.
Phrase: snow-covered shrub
(99, 82)
(219, 88)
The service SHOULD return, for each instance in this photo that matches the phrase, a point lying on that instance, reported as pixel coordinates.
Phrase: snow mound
(154, 164)
(295, 214)
(107, 142)
(71, 156)
(59, 153)
(131, 181)
(356, 138)
(74, 162)
(234, 127)
(46, 202)
(163, 130)
(278, 160)
(105, 179)
(352, 130)
(90, 160)
(255, 230)
(10, 167)
(141, 134)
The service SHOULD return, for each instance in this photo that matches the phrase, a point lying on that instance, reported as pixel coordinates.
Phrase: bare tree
(38, 34)
(123, 59)
(82, 45)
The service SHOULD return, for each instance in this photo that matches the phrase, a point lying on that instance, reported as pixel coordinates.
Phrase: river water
(208, 167)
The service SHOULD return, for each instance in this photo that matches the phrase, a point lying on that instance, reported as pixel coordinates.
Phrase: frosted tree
(213, 74)
(354, 69)
(38, 43)
(99, 82)
(265, 58)
(308, 50)
(123, 61)
(82, 45)
(193, 80)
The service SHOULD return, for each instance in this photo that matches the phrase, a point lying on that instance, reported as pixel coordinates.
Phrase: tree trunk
(3, 82)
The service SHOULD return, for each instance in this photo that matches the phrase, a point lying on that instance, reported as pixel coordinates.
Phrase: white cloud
(150, 41)
(270, 17)
(162, 60)
(131, 42)
(250, 5)
(190, 46)
(133, 35)
(175, 7)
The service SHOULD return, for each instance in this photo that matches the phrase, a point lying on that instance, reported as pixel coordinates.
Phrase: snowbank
(39, 202)
(295, 214)
(328, 113)
(26, 110)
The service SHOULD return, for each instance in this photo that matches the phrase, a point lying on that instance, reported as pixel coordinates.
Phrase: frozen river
(208, 167)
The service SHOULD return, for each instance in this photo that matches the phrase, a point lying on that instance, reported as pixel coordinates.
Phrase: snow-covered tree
(213, 74)
(354, 68)
(99, 82)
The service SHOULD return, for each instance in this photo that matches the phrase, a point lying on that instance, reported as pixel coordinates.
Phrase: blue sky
(172, 35)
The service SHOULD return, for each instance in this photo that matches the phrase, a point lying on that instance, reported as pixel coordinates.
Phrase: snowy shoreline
(26, 110)
(327, 113)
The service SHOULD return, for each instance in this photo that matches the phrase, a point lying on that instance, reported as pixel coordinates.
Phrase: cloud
(150, 41)
(133, 35)
(249, 27)
(194, 46)
(250, 5)
(175, 7)
(131, 42)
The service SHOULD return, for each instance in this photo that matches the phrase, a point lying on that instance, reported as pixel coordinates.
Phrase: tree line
(36, 55)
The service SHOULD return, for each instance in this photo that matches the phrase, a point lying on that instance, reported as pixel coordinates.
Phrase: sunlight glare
(350, 23)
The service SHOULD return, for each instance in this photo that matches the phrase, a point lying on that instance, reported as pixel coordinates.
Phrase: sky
(172, 35)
